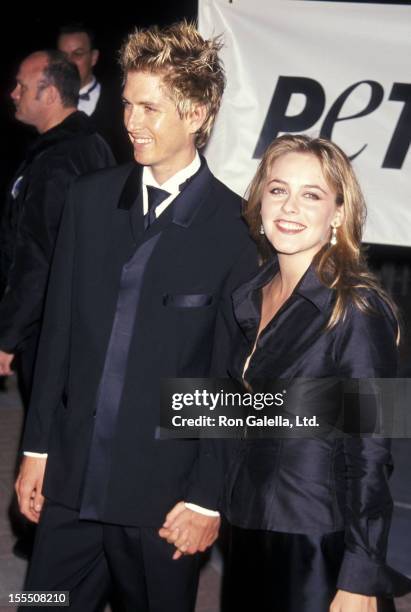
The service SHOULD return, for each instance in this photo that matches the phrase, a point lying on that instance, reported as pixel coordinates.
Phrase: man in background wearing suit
(147, 258)
(101, 102)
(67, 146)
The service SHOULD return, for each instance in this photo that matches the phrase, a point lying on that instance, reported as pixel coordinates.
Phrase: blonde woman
(311, 516)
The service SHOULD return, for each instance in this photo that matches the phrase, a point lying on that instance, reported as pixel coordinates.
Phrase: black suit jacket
(202, 249)
(31, 219)
(323, 484)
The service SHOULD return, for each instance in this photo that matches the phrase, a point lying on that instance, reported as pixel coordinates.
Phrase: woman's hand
(353, 602)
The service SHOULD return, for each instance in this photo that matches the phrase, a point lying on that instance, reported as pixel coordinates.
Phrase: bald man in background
(45, 97)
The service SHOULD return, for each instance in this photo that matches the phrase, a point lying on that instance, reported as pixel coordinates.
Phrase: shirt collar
(172, 185)
(311, 288)
(247, 298)
(88, 86)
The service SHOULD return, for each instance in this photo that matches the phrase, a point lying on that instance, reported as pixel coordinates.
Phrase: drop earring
(333, 240)
(262, 232)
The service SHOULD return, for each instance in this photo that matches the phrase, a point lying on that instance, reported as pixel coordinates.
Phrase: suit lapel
(189, 202)
(181, 211)
(131, 199)
(187, 205)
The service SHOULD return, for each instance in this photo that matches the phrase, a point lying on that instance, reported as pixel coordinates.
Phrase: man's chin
(140, 158)
(20, 117)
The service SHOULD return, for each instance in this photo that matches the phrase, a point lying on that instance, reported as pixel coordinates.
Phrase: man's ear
(196, 117)
(51, 94)
(95, 54)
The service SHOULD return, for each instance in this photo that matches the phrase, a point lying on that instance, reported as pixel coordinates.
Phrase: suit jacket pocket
(187, 300)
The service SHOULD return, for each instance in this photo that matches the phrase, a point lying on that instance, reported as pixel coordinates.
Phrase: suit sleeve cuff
(201, 510)
(359, 574)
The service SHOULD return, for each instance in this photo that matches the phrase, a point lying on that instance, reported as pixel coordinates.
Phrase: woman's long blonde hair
(342, 266)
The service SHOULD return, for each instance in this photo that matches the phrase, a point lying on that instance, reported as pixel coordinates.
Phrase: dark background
(26, 29)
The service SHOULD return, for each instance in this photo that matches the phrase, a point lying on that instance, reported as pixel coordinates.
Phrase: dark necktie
(155, 197)
(86, 94)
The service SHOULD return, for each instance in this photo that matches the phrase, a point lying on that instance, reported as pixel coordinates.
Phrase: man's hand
(28, 487)
(189, 531)
(5, 363)
(353, 602)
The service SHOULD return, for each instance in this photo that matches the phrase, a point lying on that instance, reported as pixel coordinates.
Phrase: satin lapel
(247, 299)
(188, 204)
(131, 199)
(159, 224)
(119, 240)
(136, 218)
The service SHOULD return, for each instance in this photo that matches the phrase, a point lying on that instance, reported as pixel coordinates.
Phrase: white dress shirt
(89, 106)
(172, 185)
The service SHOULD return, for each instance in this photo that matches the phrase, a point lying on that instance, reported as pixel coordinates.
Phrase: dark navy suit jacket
(195, 254)
(318, 485)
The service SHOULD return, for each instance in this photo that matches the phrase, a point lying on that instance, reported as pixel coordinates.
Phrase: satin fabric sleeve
(366, 348)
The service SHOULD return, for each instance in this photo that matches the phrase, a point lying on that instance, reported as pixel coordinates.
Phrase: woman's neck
(291, 270)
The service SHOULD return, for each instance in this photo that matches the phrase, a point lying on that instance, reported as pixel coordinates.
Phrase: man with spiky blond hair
(140, 289)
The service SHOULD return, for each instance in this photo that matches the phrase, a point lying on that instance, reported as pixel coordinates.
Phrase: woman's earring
(333, 240)
(262, 232)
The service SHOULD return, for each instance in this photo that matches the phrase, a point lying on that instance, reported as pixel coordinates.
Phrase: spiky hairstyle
(189, 65)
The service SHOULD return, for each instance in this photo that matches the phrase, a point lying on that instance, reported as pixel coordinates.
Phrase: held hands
(189, 531)
(28, 487)
(353, 602)
(5, 363)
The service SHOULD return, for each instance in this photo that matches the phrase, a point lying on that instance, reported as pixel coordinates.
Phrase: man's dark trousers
(94, 561)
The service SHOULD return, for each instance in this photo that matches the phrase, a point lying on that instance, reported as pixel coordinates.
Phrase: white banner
(335, 69)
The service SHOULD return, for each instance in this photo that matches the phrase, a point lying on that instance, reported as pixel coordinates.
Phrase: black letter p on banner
(277, 120)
